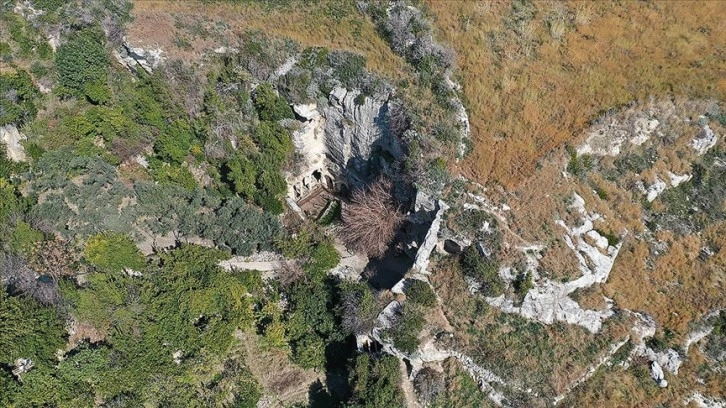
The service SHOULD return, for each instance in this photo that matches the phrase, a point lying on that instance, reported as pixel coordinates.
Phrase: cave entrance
(385, 272)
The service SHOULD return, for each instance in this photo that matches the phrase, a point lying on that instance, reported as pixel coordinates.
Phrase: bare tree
(20, 279)
(371, 218)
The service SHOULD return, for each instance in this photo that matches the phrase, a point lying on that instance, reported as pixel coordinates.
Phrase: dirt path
(409, 395)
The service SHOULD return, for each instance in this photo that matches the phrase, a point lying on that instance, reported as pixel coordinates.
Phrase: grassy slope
(336, 26)
(538, 92)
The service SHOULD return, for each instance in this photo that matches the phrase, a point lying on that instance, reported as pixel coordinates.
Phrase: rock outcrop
(354, 124)
(549, 301)
(11, 137)
(135, 57)
(705, 140)
(656, 372)
(335, 142)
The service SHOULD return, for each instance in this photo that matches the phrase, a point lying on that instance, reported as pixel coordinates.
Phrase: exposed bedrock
(336, 142)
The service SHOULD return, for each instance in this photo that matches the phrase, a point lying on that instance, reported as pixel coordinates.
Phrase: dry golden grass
(615, 387)
(679, 288)
(283, 383)
(540, 91)
(312, 25)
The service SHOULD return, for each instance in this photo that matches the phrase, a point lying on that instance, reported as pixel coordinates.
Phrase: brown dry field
(154, 26)
(540, 92)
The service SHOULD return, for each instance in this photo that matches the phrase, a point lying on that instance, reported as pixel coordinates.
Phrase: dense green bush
(24, 239)
(241, 174)
(86, 207)
(274, 143)
(420, 292)
(113, 252)
(17, 99)
(28, 330)
(82, 62)
(377, 383)
(271, 107)
(323, 257)
(483, 270)
(10, 202)
(406, 330)
(172, 174)
(174, 145)
(240, 227)
(309, 351)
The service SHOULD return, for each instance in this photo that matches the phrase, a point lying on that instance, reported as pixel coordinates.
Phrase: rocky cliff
(336, 141)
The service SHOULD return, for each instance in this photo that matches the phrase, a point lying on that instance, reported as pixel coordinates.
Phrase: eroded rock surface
(336, 142)
(11, 137)
(549, 301)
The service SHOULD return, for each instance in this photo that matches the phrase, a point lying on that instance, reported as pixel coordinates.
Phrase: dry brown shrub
(371, 219)
(55, 258)
(428, 384)
(290, 272)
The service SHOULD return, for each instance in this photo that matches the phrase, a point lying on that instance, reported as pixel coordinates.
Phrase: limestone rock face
(22, 365)
(656, 372)
(134, 57)
(11, 137)
(354, 124)
(334, 143)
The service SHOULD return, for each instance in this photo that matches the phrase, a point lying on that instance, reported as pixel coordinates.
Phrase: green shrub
(17, 99)
(483, 270)
(29, 330)
(24, 238)
(48, 5)
(313, 57)
(269, 203)
(97, 93)
(376, 382)
(174, 144)
(6, 52)
(239, 226)
(271, 107)
(10, 202)
(113, 252)
(309, 351)
(173, 174)
(323, 258)
(523, 283)
(241, 174)
(331, 213)
(405, 333)
(274, 143)
(82, 61)
(349, 68)
(420, 292)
